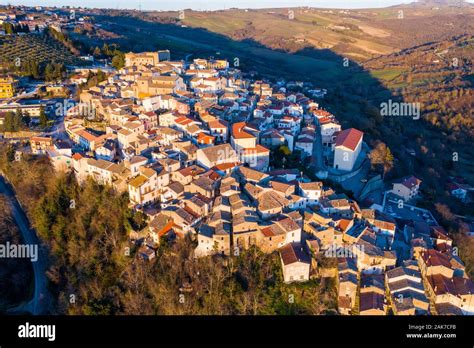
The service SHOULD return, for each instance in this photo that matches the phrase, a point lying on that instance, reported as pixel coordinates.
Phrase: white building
(407, 187)
(328, 130)
(311, 191)
(295, 263)
(347, 150)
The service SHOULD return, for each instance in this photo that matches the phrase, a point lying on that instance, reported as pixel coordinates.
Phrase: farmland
(16, 49)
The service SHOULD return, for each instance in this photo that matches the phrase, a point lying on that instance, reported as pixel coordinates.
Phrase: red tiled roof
(345, 302)
(433, 258)
(349, 138)
(46, 139)
(77, 156)
(325, 120)
(212, 175)
(218, 124)
(86, 135)
(410, 181)
(267, 231)
(292, 253)
(371, 300)
(258, 149)
(441, 284)
(343, 224)
(322, 113)
(238, 131)
(183, 120)
(225, 166)
(205, 138)
(192, 170)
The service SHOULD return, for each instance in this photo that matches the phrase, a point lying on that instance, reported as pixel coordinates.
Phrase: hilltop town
(232, 161)
(196, 146)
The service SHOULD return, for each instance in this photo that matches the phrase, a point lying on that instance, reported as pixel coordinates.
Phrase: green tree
(118, 61)
(106, 50)
(43, 119)
(284, 150)
(49, 72)
(138, 220)
(26, 119)
(97, 52)
(10, 153)
(34, 69)
(9, 125)
(381, 156)
(8, 27)
(101, 76)
(17, 120)
(59, 70)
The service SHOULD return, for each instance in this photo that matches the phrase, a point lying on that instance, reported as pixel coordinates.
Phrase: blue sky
(208, 4)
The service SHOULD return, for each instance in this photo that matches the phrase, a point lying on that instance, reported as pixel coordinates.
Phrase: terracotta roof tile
(349, 138)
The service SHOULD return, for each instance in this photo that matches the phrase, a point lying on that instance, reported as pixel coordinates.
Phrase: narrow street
(317, 161)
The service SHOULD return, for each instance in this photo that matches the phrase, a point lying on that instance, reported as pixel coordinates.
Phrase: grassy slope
(370, 33)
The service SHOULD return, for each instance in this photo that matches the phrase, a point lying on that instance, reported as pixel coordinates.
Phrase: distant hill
(443, 2)
(357, 34)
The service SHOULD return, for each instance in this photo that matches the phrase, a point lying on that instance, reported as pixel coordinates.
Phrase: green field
(387, 74)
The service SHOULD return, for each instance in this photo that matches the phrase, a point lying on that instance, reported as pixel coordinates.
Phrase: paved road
(39, 302)
(355, 183)
(317, 161)
(58, 130)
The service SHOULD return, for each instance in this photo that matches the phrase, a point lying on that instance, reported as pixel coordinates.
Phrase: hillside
(357, 34)
(439, 76)
(18, 49)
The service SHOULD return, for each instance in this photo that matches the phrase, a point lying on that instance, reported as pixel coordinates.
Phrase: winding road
(39, 303)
